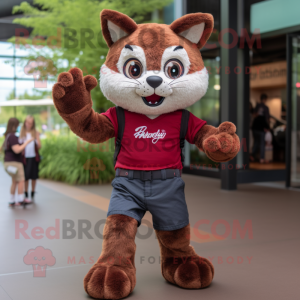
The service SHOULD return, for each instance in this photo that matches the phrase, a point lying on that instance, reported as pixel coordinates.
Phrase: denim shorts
(163, 198)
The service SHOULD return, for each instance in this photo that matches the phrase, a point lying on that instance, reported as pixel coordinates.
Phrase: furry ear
(115, 25)
(197, 27)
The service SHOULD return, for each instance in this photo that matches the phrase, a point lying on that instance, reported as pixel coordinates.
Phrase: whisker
(129, 82)
(129, 87)
(177, 87)
(178, 82)
(136, 80)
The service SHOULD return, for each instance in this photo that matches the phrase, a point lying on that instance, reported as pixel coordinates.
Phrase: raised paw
(193, 272)
(72, 91)
(224, 145)
(109, 281)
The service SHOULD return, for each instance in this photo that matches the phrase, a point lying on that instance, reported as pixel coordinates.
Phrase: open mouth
(153, 100)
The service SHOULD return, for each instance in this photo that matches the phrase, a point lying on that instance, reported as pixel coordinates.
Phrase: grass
(66, 159)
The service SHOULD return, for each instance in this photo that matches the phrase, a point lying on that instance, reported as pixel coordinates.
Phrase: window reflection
(208, 109)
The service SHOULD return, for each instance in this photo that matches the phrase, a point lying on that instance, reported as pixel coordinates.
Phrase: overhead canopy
(25, 102)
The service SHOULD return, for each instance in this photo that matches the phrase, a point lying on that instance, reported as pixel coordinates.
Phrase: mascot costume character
(152, 73)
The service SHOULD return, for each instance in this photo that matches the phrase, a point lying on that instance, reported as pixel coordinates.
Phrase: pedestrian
(31, 154)
(260, 127)
(13, 162)
(262, 109)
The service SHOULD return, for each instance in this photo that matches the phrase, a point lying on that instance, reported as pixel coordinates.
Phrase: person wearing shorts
(13, 162)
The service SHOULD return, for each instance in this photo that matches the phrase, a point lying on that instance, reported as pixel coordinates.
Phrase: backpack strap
(121, 127)
(183, 130)
(5, 144)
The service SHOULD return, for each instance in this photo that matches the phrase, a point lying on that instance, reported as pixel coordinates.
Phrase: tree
(71, 29)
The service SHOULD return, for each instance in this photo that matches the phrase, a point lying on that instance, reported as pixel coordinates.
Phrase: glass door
(294, 111)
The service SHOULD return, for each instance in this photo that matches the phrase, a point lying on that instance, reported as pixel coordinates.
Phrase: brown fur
(179, 263)
(155, 38)
(119, 19)
(113, 276)
(190, 20)
(219, 144)
(72, 99)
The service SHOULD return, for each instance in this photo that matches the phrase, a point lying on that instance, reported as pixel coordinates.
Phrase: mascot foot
(180, 264)
(113, 276)
(108, 282)
(191, 272)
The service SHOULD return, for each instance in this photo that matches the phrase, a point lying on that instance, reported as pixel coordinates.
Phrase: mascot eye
(174, 68)
(133, 68)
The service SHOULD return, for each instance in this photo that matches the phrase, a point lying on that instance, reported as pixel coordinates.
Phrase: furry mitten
(219, 144)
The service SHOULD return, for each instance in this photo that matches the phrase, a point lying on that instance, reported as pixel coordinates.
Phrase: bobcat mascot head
(154, 69)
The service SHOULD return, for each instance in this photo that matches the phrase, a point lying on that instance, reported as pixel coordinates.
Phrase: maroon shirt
(10, 155)
(152, 144)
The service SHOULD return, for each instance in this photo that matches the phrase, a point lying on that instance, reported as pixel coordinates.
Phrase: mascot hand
(72, 92)
(223, 145)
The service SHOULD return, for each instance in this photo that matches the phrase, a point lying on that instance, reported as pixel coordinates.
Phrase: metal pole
(288, 130)
(229, 82)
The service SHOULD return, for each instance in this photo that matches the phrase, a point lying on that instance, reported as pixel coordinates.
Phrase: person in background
(31, 161)
(262, 109)
(13, 162)
(259, 127)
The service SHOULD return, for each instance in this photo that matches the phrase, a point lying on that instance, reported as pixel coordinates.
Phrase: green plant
(75, 26)
(62, 160)
(1, 151)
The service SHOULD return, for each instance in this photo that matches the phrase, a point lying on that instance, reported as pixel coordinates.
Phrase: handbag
(12, 170)
(37, 154)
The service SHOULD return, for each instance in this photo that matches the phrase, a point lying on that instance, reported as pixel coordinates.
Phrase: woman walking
(13, 162)
(32, 158)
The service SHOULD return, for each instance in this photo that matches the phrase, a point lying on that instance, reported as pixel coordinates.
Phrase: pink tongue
(153, 97)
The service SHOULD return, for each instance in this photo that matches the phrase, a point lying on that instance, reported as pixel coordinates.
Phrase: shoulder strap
(183, 130)
(121, 126)
(4, 146)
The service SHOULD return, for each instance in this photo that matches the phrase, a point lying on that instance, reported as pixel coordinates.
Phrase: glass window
(6, 68)
(22, 51)
(6, 89)
(6, 49)
(206, 109)
(31, 86)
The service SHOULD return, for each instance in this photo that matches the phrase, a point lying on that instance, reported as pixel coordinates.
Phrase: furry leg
(113, 275)
(179, 262)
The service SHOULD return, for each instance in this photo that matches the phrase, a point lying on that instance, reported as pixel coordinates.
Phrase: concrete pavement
(256, 257)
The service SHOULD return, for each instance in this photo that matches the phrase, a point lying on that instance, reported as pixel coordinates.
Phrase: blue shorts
(163, 198)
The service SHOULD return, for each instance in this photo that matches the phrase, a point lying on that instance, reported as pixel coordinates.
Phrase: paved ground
(262, 266)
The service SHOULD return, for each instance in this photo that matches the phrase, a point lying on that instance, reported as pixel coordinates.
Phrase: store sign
(268, 75)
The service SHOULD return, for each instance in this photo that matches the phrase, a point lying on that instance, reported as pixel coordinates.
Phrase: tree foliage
(72, 30)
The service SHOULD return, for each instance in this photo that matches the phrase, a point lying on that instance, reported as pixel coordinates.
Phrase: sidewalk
(262, 266)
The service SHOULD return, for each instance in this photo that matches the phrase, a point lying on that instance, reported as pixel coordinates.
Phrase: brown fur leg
(113, 276)
(179, 262)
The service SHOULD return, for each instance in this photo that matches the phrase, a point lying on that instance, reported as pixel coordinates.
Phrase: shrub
(1, 151)
(63, 160)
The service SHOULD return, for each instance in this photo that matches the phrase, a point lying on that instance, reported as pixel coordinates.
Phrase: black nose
(154, 81)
